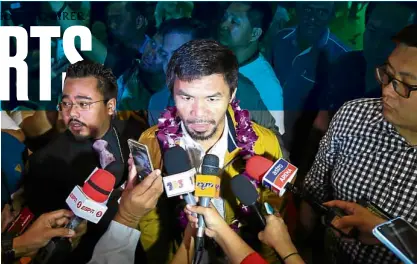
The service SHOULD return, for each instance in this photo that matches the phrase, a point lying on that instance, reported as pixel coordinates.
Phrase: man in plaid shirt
(370, 152)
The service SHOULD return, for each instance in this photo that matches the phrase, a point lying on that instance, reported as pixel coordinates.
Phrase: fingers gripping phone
(400, 237)
(141, 159)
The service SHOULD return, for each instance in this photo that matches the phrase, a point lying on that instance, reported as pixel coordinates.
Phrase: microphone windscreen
(257, 166)
(99, 186)
(210, 165)
(176, 160)
(244, 190)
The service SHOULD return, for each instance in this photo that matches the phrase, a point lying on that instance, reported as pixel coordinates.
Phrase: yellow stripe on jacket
(155, 236)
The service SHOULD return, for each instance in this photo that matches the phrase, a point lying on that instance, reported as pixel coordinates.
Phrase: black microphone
(208, 183)
(247, 194)
(180, 178)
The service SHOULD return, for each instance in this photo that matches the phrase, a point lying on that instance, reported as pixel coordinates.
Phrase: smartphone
(400, 237)
(269, 209)
(141, 158)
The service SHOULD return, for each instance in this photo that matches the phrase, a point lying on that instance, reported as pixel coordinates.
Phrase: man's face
(151, 62)
(313, 19)
(386, 20)
(83, 121)
(235, 29)
(202, 105)
(399, 111)
(121, 23)
(171, 42)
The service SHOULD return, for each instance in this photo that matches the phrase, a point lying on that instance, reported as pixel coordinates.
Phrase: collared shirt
(261, 74)
(196, 153)
(158, 102)
(117, 245)
(296, 69)
(7, 122)
(301, 72)
(363, 156)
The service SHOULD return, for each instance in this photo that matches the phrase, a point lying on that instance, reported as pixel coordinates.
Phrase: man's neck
(207, 144)
(153, 81)
(101, 135)
(409, 135)
(244, 53)
(304, 43)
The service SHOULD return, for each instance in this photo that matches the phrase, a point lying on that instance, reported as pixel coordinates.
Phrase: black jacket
(53, 171)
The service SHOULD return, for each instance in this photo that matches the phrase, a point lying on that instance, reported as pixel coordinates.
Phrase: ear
(141, 22)
(233, 95)
(256, 34)
(111, 106)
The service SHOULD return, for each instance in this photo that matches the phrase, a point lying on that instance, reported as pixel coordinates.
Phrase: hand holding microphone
(214, 222)
(46, 227)
(87, 203)
(207, 187)
(277, 237)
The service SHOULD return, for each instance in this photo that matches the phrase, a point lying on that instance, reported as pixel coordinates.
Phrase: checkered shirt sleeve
(363, 156)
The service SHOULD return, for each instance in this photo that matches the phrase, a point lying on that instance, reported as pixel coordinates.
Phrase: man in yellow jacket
(202, 76)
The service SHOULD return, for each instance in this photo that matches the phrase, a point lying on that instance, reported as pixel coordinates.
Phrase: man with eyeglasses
(87, 108)
(369, 153)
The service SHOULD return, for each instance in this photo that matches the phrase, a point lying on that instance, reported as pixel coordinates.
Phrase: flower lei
(169, 134)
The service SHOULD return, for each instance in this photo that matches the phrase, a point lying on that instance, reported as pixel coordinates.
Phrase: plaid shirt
(363, 156)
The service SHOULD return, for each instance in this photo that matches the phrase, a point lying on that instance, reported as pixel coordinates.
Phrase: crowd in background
(299, 62)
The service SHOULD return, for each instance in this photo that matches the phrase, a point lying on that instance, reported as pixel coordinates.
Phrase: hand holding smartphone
(400, 237)
(141, 159)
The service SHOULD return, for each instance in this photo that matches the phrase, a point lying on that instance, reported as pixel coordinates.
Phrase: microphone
(89, 203)
(278, 176)
(180, 179)
(247, 194)
(262, 170)
(207, 187)
(275, 176)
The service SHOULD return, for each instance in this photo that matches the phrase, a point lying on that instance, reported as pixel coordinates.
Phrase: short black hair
(197, 29)
(106, 81)
(260, 15)
(203, 57)
(407, 36)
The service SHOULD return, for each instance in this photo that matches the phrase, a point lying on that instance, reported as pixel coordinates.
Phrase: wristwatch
(7, 251)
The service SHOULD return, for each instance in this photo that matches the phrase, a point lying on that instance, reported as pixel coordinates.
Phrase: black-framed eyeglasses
(83, 106)
(401, 88)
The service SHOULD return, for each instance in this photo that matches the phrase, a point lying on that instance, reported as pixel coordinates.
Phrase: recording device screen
(402, 235)
(141, 159)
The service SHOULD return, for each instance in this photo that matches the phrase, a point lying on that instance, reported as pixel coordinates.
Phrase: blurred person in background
(300, 58)
(172, 10)
(383, 20)
(242, 28)
(144, 78)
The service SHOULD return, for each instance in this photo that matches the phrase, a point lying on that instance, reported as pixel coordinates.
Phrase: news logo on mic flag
(207, 186)
(180, 183)
(281, 173)
(84, 207)
(89, 202)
